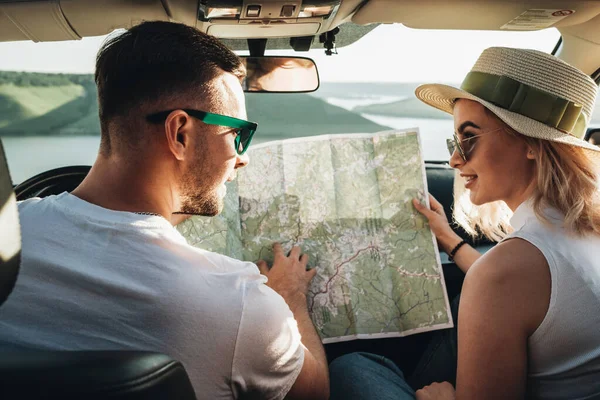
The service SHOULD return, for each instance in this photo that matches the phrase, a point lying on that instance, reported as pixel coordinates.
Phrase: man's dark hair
(156, 60)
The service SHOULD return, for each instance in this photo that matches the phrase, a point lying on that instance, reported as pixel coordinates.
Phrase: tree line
(24, 79)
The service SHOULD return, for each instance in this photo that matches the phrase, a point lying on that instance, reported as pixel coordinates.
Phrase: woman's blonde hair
(565, 179)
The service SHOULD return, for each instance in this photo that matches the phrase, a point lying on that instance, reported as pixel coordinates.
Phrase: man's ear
(177, 129)
(530, 153)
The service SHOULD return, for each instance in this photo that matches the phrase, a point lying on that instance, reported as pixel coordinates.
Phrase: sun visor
(9, 31)
(94, 18)
(478, 15)
(45, 21)
(37, 21)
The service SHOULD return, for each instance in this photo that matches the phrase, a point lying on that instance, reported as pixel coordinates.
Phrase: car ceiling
(52, 20)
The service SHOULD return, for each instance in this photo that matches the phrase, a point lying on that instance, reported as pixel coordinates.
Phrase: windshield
(49, 120)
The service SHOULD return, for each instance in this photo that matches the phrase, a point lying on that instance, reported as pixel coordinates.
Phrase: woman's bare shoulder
(512, 259)
(515, 277)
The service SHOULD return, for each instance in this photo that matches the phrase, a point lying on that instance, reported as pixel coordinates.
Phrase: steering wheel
(54, 181)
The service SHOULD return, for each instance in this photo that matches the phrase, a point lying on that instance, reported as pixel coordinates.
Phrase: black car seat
(33, 374)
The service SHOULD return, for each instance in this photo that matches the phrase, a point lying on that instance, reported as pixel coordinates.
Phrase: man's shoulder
(228, 267)
(41, 206)
(33, 202)
(36, 210)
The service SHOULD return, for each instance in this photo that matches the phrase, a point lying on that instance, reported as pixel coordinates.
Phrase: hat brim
(443, 97)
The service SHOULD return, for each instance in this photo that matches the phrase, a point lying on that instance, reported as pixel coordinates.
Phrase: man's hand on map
(438, 222)
(437, 391)
(288, 275)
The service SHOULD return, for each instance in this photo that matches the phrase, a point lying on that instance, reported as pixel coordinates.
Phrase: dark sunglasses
(464, 146)
(455, 144)
(244, 129)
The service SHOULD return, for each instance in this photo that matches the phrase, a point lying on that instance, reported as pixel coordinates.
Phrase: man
(103, 268)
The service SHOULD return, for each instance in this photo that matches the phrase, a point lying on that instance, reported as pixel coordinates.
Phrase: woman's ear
(177, 126)
(530, 153)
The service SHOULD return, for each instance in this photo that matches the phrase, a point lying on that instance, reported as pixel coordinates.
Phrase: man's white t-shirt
(98, 279)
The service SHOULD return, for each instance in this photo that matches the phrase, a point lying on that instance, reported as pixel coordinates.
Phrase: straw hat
(535, 93)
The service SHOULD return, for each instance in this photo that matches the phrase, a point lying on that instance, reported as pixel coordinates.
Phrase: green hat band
(528, 101)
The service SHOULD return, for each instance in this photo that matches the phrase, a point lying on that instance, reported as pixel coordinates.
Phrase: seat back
(10, 232)
(92, 375)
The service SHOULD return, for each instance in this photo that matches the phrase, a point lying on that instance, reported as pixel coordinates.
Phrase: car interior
(251, 27)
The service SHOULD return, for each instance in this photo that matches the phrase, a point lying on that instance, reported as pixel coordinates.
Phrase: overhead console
(266, 18)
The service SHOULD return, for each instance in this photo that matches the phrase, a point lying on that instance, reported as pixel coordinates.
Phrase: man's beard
(207, 205)
(198, 197)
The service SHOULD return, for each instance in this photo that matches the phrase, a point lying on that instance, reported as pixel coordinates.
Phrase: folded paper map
(346, 200)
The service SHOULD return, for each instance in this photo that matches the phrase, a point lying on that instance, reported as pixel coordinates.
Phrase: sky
(390, 53)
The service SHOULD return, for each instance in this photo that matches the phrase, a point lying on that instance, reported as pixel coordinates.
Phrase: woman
(529, 315)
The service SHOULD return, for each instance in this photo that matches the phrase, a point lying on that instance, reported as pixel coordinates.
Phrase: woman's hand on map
(437, 391)
(288, 275)
(438, 222)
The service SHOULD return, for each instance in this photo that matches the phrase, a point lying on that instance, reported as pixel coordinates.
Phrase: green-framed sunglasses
(244, 129)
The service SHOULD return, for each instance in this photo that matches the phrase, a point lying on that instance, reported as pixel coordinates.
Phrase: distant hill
(34, 104)
(408, 108)
(295, 115)
(365, 89)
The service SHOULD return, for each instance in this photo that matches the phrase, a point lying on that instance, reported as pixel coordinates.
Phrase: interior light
(222, 12)
(287, 11)
(314, 11)
(253, 11)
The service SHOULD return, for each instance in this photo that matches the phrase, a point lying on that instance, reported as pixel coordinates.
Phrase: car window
(48, 121)
(374, 79)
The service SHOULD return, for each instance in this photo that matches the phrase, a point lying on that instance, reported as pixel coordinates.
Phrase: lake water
(433, 133)
(31, 155)
(349, 104)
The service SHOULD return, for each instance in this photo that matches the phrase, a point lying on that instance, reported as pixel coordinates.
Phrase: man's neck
(120, 186)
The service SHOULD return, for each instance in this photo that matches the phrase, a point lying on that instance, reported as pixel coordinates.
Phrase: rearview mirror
(280, 74)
